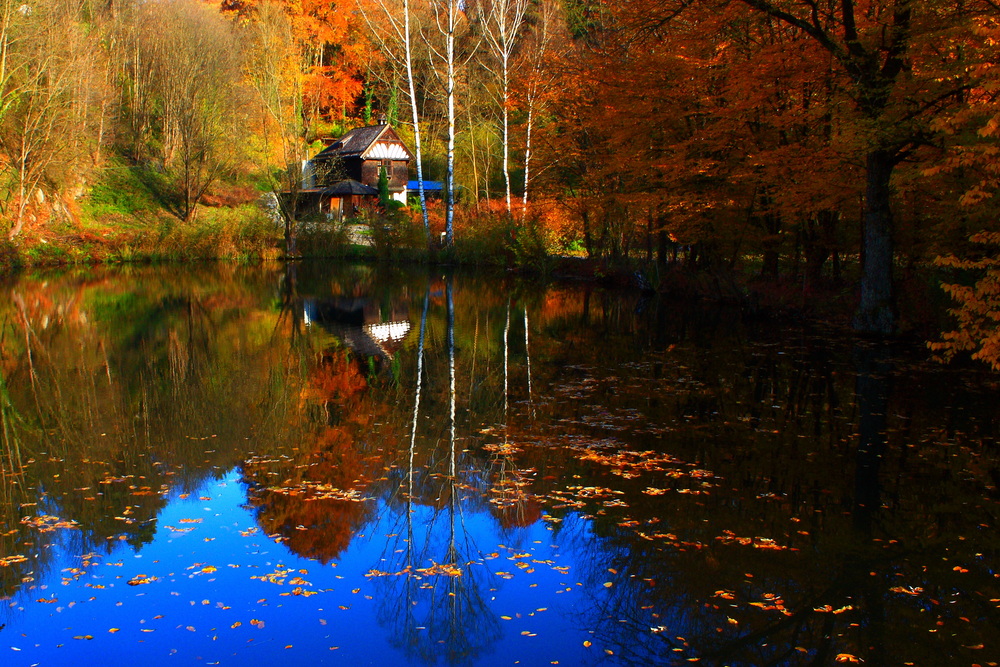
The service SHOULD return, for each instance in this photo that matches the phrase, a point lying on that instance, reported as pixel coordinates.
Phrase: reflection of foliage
(509, 498)
(701, 469)
(313, 526)
(129, 394)
(308, 497)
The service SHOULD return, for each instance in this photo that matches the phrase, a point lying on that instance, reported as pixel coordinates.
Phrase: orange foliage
(313, 501)
(333, 47)
(978, 310)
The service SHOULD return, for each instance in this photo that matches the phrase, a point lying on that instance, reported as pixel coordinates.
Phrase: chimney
(382, 120)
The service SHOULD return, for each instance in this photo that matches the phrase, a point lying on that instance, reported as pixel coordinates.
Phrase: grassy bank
(109, 228)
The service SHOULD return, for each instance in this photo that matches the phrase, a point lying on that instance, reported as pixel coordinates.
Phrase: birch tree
(449, 21)
(504, 21)
(545, 43)
(400, 31)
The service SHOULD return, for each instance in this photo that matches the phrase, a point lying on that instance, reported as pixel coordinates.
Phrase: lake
(325, 463)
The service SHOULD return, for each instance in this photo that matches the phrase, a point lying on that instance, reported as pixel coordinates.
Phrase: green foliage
(499, 239)
(366, 111)
(392, 107)
(47, 253)
(392, 231)
(585, 18)
(383, 188)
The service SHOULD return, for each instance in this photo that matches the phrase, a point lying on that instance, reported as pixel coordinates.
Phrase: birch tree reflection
(432, 597)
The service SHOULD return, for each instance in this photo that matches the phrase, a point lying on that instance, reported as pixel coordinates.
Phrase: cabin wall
(398, 174)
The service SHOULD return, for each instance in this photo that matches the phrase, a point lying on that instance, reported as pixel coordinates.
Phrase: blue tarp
(429, 186)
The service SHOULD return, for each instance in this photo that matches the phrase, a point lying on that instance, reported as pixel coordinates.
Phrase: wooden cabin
(360, 155)
(338, 202)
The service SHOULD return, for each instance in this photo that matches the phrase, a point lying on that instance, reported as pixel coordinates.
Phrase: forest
(817, 145)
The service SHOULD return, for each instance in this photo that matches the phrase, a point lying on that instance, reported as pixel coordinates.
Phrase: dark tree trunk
(876, 312)
(816, 257)
(769, 270)
(649, 238)
(817, 243)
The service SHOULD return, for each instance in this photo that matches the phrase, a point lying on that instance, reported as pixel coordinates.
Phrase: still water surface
(349, 465)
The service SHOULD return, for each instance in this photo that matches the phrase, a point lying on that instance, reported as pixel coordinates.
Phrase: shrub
(323, 239)
(10, 258)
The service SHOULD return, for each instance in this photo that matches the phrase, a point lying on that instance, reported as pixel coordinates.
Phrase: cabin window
(387, 165)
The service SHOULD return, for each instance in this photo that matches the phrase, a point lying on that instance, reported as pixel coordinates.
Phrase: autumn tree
(200, 81)
(967, 169)
(331, 46)
(46, 102)
(544, 46)
(271, 67)
(899, 63)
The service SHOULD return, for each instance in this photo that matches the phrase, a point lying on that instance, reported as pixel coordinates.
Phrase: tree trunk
(449, 233)
(876, 312)
(649, 237)
(769, 269)
(415, 116)
(527, 156)
(506, 136)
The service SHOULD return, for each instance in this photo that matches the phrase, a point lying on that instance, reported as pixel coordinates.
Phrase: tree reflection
(433, 595)
(744, 489)
(117, 389)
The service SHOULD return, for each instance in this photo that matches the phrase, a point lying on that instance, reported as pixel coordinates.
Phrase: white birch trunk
(449, 232)
(527, 157)
(506, 129)
(407, 44)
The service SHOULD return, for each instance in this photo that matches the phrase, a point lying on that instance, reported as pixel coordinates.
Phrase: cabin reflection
(360, 324)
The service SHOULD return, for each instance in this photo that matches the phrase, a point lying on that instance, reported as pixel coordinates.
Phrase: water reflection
(505, 463)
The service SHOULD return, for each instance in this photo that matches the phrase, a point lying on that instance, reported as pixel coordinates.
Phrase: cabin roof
(350, 187)
(364, 141)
